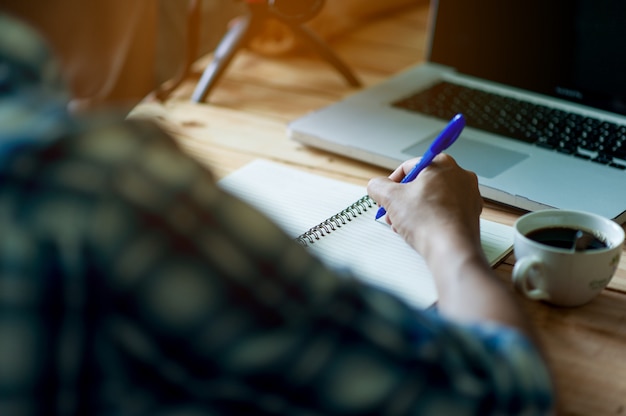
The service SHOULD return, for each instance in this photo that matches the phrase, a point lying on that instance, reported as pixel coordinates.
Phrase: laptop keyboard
(572, 134)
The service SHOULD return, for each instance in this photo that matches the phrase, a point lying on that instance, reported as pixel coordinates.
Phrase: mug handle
(523, 269)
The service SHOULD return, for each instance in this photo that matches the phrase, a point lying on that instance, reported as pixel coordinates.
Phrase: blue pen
(447, 136)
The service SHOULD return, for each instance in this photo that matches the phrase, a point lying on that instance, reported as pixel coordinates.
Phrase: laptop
(542, 85)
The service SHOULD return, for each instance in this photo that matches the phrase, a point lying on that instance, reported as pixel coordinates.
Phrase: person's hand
(443, 202)
(438, 214)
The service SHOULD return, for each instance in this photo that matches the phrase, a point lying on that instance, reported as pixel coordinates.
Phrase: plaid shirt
(131, 285)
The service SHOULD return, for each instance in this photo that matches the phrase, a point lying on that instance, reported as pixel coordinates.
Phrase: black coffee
(568, 238)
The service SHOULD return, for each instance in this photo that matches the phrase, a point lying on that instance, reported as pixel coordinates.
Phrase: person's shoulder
(33, 97)
(27, 58)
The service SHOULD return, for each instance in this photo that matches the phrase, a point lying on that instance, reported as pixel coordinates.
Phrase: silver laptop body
(537, 172)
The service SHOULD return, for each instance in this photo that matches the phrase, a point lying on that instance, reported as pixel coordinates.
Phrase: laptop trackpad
(483, 159)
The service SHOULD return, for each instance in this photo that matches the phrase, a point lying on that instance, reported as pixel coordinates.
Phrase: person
(129, 284)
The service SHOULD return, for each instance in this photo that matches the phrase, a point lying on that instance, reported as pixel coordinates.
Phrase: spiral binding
(336, 221)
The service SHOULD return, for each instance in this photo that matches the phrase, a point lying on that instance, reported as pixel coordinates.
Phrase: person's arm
(438, 214)
(232, 303)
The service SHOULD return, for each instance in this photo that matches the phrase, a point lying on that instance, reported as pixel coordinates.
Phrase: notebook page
(293, 199)
(298, 200)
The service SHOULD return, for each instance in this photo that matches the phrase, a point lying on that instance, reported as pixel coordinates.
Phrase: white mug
(565, 276)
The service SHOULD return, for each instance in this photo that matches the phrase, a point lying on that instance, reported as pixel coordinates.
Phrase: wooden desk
(246, 119)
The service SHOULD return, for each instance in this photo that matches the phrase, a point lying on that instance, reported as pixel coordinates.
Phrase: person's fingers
(401, 171)
(379, 189)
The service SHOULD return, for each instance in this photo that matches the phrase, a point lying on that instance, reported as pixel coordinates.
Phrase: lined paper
(297, 201)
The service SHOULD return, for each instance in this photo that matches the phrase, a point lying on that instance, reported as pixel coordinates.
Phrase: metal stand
(243, 30)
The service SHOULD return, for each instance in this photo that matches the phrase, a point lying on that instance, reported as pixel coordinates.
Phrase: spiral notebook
(335, 221)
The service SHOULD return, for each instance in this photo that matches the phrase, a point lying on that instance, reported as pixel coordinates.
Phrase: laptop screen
(570, 49)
